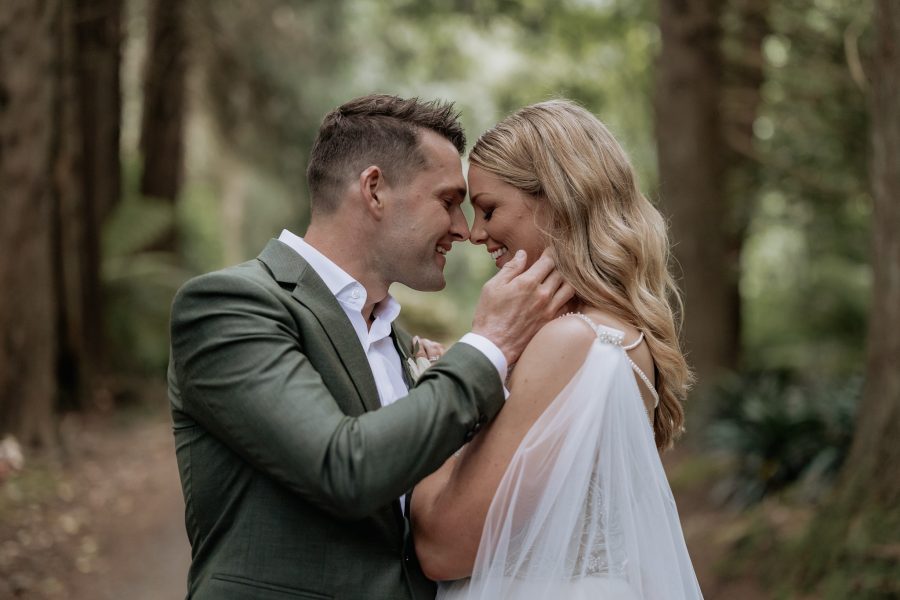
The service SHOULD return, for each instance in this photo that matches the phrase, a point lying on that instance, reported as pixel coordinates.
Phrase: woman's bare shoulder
(551, 359)
(608, 319)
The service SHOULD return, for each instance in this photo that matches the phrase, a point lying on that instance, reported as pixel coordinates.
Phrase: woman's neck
(573, 305)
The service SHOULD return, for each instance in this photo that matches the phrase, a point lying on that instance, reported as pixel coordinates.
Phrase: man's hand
(515, 303)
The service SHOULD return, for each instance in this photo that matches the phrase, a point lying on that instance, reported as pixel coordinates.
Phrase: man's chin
(426, 284)
(433, 286)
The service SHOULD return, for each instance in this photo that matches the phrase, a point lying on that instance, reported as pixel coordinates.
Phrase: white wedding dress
(584, 510)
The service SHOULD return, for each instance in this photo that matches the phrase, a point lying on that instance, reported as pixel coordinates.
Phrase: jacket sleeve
(243, 375)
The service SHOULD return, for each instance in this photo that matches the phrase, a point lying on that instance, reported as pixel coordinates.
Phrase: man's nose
(478, 235)
(459, 229)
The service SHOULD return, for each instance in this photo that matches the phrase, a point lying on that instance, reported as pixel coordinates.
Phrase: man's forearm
(244, 377)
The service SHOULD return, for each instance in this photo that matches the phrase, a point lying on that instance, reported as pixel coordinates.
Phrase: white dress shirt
(385, 361)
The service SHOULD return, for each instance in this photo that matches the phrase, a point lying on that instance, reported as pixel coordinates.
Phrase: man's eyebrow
(459, 192)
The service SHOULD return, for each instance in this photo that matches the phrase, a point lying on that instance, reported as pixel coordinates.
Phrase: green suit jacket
(290, 468)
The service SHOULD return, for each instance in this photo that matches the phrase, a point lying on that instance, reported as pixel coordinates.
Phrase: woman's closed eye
(486, 213)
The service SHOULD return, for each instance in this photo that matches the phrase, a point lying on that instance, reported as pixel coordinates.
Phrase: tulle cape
(584, 509)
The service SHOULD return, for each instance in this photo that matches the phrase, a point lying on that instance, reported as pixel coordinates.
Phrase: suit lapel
(403, 344)
(288, 267)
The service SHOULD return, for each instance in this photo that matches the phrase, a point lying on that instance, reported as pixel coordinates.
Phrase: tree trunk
(691, 170)
(87, 184)
(59, 172)
(28, 92)
(852, 542)
(162, 125)
(875, 448)
(744, 75)
(99, 49)
(88, 113)
(99, 52)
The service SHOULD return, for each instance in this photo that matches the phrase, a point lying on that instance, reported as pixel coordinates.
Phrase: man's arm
(244, 377)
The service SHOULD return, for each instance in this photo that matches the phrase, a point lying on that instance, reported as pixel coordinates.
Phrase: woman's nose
(459, 228)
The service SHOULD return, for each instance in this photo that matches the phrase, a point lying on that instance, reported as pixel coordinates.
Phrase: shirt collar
(342, 285)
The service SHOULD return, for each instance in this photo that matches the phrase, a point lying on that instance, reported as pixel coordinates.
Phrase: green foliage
(805, 279)
(805, 309)
(269, 70)
(201, 243)
(835, 555)
(780, 432)
(849, 554)
(138, 284)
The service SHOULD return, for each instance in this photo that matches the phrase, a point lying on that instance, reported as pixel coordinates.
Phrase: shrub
(779, 431)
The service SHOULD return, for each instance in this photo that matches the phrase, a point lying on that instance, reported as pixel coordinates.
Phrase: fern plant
(779, 432)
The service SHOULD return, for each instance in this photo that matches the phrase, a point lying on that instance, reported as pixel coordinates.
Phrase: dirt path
(708, 531)
(108, 522)
(105, 524)
(146, 551)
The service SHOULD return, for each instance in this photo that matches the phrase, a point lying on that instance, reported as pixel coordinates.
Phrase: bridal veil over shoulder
(584, 510)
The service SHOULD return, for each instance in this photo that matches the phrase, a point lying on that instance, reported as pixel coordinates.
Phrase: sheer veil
(584, 509)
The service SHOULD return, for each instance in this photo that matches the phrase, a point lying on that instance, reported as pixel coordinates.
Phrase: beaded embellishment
(617, 338)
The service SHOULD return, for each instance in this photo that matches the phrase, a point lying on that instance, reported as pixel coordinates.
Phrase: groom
(298, 424)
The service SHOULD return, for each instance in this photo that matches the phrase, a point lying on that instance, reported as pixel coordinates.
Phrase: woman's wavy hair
(610, 241)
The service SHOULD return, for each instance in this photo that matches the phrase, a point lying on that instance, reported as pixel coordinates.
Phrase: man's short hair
(377, 129)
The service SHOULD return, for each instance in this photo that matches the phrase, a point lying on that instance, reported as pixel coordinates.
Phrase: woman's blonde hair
(610, 241)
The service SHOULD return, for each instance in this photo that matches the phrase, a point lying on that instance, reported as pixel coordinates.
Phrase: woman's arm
(449, 507)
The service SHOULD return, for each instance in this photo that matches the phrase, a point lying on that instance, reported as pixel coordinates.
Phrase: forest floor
(106, 520)
(102, 521)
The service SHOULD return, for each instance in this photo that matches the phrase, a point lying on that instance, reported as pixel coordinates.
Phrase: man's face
(425, 217)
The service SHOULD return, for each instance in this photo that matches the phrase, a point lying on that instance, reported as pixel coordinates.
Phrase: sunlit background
(148, 141)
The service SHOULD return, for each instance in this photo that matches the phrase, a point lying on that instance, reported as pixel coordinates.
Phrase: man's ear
(372, 188)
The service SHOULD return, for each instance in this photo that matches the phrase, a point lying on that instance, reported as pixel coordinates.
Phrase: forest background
(146, 141)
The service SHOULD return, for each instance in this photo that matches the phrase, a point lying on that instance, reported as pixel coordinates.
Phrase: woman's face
(506, 218)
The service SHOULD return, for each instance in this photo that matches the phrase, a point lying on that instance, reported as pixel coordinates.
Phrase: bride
(564, 496)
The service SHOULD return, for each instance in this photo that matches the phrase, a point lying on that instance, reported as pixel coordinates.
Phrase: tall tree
(855, 530)
(162, 123)
(745, 29)
(89, 121)
(691, 150)
(268, 71)
(29, 91)
(878, 425)
(59, 164)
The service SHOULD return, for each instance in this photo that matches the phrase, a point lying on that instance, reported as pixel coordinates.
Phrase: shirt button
(355, 293)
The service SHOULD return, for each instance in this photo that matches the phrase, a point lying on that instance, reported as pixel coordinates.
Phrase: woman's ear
(372, 188)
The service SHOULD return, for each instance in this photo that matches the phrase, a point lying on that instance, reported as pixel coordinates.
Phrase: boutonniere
(417, 364)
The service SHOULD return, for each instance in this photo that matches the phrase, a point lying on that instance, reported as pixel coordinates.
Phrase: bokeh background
(146, 141)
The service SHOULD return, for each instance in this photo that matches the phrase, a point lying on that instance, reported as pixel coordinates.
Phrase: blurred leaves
(780, 432)
(139, 285)
(266, 73)
(805, 269)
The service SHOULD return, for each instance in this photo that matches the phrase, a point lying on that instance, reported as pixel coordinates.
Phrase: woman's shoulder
(553, 355)
(560, 339)
(609, 320)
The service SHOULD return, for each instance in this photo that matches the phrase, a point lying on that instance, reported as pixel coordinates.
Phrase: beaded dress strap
(617, 338)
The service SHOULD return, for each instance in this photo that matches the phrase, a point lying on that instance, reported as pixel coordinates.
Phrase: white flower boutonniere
(417, 366)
